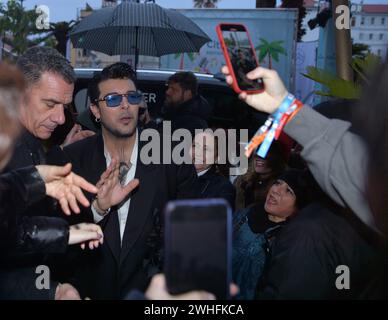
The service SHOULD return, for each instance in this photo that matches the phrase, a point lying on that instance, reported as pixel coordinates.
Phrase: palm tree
(18, 26)
(60, 31)
(205, 3)
(56, 36)
(341, 88)
(19, 29)
(270, 49)
(191, 56)
(360, 50)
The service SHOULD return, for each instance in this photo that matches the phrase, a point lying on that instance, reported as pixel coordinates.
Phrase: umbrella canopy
(138, 29)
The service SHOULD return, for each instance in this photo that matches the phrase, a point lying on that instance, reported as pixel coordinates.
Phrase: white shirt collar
(199, 174)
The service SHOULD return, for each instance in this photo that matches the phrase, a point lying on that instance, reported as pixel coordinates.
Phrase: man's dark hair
(119, 70)
(37, 60)
(187, 80)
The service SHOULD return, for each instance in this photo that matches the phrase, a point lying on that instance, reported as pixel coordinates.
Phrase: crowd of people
(92, 211)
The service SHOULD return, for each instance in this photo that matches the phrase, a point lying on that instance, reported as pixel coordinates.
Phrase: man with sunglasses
(113, 161)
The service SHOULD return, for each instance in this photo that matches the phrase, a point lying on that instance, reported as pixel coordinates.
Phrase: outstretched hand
(274, 90)
(86, 233)
(110, 190)
(65, 186)
(66, 291)
(157, 290)
(76, 134)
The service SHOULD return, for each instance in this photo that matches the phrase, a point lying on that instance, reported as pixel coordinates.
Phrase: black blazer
(17, 269)
(29, 152)
(113, 270)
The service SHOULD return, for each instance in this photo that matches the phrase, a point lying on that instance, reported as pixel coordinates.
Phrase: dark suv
(228, 110)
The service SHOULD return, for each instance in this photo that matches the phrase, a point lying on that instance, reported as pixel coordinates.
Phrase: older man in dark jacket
(49, 88)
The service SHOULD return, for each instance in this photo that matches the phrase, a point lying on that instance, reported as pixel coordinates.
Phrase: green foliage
(17, 25)
(337, 87)
(363, 67)
(340, 88)
(360, 50)
(18, 29)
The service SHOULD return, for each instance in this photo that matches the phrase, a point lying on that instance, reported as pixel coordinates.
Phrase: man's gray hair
(37, 60)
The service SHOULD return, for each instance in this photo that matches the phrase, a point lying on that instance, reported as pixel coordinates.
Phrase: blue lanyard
(277, 115)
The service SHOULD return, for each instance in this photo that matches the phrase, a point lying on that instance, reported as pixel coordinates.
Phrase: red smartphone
(240, 56)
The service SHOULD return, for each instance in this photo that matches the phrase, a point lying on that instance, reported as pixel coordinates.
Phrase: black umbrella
(138, 29)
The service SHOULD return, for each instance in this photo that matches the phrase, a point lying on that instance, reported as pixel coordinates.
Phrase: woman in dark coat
(211, 184)
(256, 226)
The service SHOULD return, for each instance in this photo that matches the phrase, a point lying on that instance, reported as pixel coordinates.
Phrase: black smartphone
(198, 246)
(240, 56)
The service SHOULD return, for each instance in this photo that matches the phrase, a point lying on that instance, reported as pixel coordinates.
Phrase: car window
(81, 100)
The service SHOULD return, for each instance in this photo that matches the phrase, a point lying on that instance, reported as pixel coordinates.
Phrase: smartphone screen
(241, 55)
(198, 246)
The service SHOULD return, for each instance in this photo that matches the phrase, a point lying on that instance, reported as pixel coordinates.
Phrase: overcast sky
(62, 10)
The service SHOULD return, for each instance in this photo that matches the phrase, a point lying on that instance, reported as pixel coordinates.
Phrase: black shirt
(28, 151)
(258, 220)
(213, 185)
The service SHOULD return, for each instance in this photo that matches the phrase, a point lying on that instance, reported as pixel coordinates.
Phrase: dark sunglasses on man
(114, 100)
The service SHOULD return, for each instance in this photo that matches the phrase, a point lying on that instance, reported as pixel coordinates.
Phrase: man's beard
(116, 133)
(169, 104)
(174, 103)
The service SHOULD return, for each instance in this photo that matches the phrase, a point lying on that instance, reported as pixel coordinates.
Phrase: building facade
(369, 25)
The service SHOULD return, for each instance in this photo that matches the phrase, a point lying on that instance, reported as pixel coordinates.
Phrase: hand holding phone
(272, 96)
(240, 57)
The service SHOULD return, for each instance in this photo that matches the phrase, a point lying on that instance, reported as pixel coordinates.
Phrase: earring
(97, 120)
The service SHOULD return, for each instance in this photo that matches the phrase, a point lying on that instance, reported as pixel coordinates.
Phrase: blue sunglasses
(114, 100)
